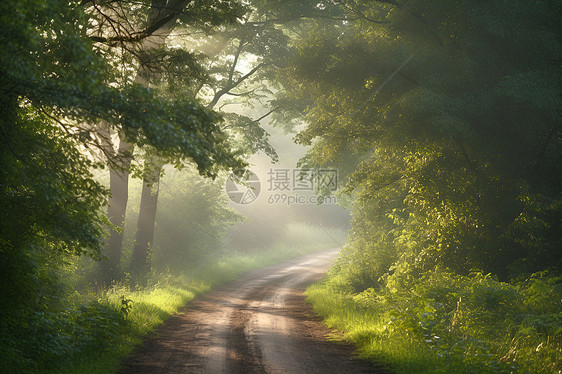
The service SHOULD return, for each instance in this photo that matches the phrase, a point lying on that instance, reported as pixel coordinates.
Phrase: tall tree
(447, 129)
(140, 35)
(147, 217)
(55, 86)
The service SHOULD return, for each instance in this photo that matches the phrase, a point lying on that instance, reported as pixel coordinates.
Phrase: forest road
(257, 324)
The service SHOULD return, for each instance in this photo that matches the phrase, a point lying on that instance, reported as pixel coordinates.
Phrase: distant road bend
(258, 324)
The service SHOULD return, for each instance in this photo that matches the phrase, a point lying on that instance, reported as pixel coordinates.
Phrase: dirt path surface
(258, 324)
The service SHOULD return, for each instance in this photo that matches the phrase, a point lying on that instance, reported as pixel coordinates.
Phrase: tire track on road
(258, 324)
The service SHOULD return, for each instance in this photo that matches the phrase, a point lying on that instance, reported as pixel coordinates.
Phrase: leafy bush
(468, 324)
(48, 339)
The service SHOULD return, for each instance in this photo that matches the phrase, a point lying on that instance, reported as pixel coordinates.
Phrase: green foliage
(54, 82)
(444, 128)
(49, 338)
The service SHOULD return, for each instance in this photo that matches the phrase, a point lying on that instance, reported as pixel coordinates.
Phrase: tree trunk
(147, 217)
(119, 179)
(119, 186)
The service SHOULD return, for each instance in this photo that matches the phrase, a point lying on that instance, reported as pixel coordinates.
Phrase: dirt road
(258, 324)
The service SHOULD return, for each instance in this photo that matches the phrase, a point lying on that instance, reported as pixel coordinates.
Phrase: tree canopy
(446, 118)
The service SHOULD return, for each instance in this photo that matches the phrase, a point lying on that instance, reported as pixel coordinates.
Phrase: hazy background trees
(210, 51)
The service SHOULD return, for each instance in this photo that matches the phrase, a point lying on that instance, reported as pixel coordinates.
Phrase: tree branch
(232, 85)
(162, 15)
(240, 94)
(267, 114)
(235, 62)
